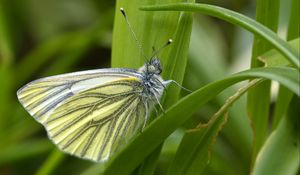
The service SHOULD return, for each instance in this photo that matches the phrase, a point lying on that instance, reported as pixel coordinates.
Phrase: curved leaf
(273, 58)
(152, 29)
(234, 18)
(176, 115)
(194, 149)
(280, 153)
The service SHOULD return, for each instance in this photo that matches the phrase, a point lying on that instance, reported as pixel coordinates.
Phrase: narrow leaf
(175, 116)
(24, 150)
(274, 58)
(55, 158)
(280, 153)
(152, 29)
(258, 99)
(234, 18)
(193, 152)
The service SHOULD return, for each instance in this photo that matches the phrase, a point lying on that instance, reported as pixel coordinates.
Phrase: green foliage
(238, 19)
(212, 130)
(284, 141)
(273, 58)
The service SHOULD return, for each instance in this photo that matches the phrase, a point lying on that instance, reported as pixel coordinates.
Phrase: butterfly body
(90, 114)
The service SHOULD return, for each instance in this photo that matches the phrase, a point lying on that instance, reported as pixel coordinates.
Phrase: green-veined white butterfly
(90, 114)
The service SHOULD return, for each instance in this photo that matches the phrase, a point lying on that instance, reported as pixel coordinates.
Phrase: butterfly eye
(151, 69)
(155, 66)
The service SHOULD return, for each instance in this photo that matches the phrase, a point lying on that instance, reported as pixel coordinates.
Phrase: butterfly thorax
(151, 79)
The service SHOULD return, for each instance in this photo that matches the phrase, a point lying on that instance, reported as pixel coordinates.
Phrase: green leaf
(274, 58)
(258, 107)
(55, 158)
(267, 13)
(66, 49)
(6, 102)
(24, 150)
(71, 54)
(193, 152)
(7, 45)
(282, 104)
(150, 163)
(175, 116)
(95, 169)
(152, 29)
(280, 153)
(284, 95)
(234, 18)
(294, 22)
(177, 59)
(207, 48)
(40, 55)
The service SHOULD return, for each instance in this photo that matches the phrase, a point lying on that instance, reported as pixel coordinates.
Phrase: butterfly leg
(176, 83)
(156, 111)
(146, 105)
(159, 104)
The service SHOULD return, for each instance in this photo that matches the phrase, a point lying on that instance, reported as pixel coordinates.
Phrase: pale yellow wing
(93, 122)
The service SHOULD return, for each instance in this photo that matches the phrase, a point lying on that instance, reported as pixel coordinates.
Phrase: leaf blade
(163, 126)
(234, 18)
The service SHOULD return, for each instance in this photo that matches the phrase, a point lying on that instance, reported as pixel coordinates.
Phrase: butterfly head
(154, 66)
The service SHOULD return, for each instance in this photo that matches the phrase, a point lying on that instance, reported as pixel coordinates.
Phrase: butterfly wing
(88, 114)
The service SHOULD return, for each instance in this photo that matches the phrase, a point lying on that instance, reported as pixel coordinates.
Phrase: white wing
(40, 97)
(90, 113)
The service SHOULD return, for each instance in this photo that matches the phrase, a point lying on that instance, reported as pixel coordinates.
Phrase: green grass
(215, 129)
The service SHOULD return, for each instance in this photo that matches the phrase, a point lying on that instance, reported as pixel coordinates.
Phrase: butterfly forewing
(87, 114)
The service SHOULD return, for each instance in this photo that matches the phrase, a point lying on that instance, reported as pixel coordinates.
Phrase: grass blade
(280, 153)
(6, 33)
(125, 52)
(294, 23)
(258, 99)
(24, 150)
(207, 64)
(282, 104)
(274, 58)
(55, 158)
(163, 26)
(163, 126)
(193, 152)
(234, 18)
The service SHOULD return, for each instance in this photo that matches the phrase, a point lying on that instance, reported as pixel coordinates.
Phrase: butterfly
(91, 114)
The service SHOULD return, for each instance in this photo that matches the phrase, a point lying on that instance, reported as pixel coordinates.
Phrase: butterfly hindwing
(99, 121)
(87, 115)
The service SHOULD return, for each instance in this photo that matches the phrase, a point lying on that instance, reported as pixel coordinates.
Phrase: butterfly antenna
(139, 44)
(155, 52)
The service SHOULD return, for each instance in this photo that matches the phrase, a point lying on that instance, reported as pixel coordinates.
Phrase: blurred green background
(40, 38)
